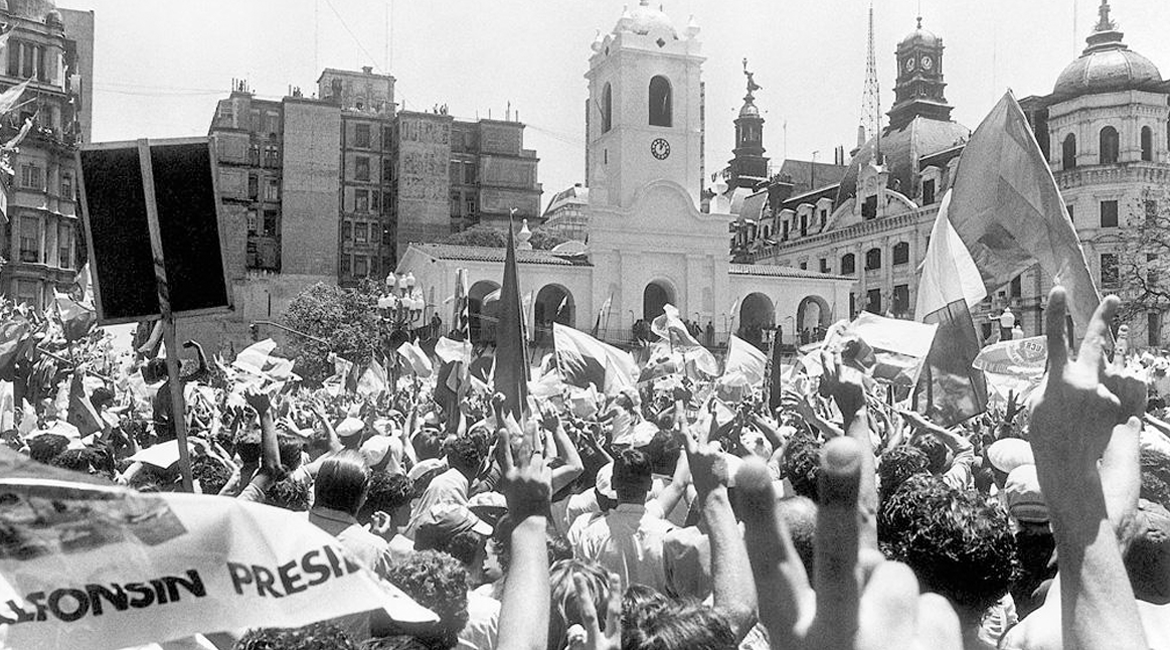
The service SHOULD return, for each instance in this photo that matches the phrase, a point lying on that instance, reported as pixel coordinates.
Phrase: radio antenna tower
(871, 116)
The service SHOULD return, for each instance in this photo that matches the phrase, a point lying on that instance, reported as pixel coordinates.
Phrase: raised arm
(271, 469)
(573, 467)
(1073, 416)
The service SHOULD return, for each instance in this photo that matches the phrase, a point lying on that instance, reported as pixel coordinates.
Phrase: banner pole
(178, 405)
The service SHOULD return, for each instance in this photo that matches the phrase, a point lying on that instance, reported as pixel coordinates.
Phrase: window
(361, 266)
(67, 186)
(253, 187)
(456, 204)
(848, 264)
(387, 172)
(1151, 209)
(272, 190)
(271, 219)
(1069, 152)
(1109, 214)
(901, 253)
(901, 299)
(824, 217)
(469, 205)
(32, 177)
(986, 331)
(387, 238)
(65, 245)
(804, 266)
(804, 225)
(30, 239)
(456, 171)
(387, 138)
(14, 48)
(469, 173)
(1147, 144)
(928, 192)
(1153, 329)
(1071, 213)
(869, 208)
(1016, 288)
(345, 265)
(272, 123)
(346, 231)
(254, 154)
(660, 106)
(784, 232)
(873, 259)
(361, 168)
(1110, 145)
(873, 301)
(271, 156)
(361, 233)
(606, 108)
(375, 201)
(361, 201)
(361, 136)
(1152, 275)
(1109, 272)
(28, 292)
(253, 222)
(824, 265)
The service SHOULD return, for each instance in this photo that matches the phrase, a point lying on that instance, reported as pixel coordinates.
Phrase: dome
(749, 110)
(920, 35)
(644, 19)
(1106, 65)
(902, 149)
(34, 9)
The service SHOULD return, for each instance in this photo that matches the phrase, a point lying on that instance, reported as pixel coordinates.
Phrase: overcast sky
(160, 65)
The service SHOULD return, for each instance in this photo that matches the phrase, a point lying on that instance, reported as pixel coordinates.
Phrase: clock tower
(644, 118)
(919, 88)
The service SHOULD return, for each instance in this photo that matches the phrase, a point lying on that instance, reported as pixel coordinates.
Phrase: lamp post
(399, 307)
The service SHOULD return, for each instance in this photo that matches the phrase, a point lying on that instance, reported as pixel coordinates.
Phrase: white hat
(1009, 453)
(604, 482)
(350, 427)
(375, 449)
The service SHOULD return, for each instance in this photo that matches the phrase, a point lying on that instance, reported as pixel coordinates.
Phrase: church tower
(645, 97)
(919, 88)
(749, 167)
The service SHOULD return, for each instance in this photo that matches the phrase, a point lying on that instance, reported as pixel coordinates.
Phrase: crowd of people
(666, 516)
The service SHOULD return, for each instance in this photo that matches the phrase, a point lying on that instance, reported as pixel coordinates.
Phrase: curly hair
(387, 493)
(558, 548)
(290, 494)
(801, 464)
(318, 636)
(936, 453)
(1155, 477)
(90, 460)
(899, 464)
(211, 473)
(438, 582)
(677, 625)
(959, 544)
(466, 452)
(564, 609)
(47, 446)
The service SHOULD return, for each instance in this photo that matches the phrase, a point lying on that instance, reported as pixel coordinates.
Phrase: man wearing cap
(455, 530)
(466, 457)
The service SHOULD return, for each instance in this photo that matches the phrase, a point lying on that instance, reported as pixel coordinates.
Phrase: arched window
(848, 264)
(1110, 145)
(873, 259)
(1147, 144)
(1069, 152)
(606, 108)
(660, 102)
(901, 253)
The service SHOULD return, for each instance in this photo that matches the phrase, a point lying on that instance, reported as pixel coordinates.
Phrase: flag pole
(178, 405)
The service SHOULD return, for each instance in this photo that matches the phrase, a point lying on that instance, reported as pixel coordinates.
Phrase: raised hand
(595, 638)
(1124, 382)
(708, 464)
(843, 611)
(527, 481)
(843, 383)
(258, 400)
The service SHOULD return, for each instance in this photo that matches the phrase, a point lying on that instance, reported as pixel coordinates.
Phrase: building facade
(42, 241)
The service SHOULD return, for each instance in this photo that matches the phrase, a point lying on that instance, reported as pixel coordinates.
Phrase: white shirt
(627, 541)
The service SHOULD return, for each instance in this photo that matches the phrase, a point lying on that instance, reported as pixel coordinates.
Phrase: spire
(871, 115)
(1105, 24)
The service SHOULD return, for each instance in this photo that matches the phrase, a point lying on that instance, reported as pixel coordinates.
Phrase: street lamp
(399, 307)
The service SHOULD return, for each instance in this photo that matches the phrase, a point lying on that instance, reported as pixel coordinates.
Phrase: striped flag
(461, 318)
(950, 390)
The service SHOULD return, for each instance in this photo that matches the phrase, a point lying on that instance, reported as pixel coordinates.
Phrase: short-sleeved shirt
(367, 548)
(686, 555)
(627, 541)
(483, 623)
(449, 487)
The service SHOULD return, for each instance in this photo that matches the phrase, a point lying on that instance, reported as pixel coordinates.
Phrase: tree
(482, 235)
(347, 318)
(1141, 250)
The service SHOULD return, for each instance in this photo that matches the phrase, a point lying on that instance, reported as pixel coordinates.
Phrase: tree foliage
(1142, 247)
(347, 318)
(482, 235)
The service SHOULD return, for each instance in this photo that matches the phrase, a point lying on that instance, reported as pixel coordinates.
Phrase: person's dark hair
(47, 446)
(640, 600)
(679, 625)
(318, 440)
(899, 464)
(342, 481)
(959, 544)
(438, 582)
(800, 516)
(466, 452)
(248, 446)
(318, 636)
(936, 453)
(290, 494)
(291, 448)
(428, 443)
(558, 547)
(632, 473)
(801, 464)
(211, 473)
(1034, 548)
(100, 397)
(395, 642)
(154, 370)
(87, 461)
(464, 546)
(663, 452)
(387, 493)
(1155, 477)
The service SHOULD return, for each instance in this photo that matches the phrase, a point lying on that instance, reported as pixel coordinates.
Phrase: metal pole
(178, 406)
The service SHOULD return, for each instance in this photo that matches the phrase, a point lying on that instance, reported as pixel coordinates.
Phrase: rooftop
(772, 271)
(486, 254)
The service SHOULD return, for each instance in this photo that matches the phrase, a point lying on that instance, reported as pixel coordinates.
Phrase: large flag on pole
(461, 319)
(585, 361)
(511, 377)
(745, 364)
(1008, 212)
(950, 390)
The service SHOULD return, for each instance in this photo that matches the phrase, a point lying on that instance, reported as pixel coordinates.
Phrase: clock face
(927, 63)
(660, 148)
(910, 64)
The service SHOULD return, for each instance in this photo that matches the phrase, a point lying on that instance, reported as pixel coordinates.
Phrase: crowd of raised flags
(451, 494)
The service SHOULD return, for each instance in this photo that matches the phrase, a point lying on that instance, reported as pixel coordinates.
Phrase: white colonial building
(648, 242)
